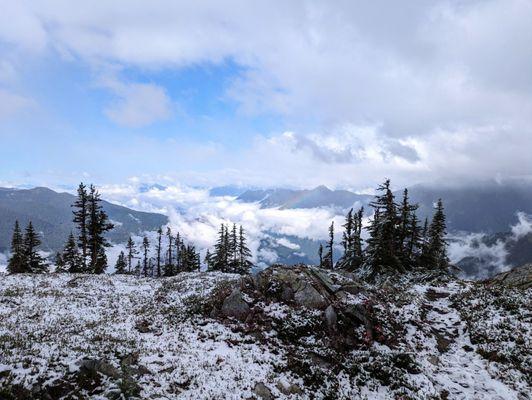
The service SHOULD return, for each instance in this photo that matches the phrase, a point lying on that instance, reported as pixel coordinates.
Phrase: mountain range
(487, 208)
(51, 214)
(320, 196)
(484, 207)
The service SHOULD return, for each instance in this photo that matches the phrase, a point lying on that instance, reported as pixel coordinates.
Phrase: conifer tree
(406, 231)
(170, 250)
(98, 225)
(178, 246)
(131, 253)
(190, 258)
(347, 236)
(208, 259)
(328, 258)
(81, 218)
(17, 261)
(59, 263)
(71, 257)
(358, 257)
(320, 254)
(158, 249)
(145, 248)
(227, 250)
(244, 253)
(352, 242)
(138, 268)
(415, 242)
(233, 250)
(424, 256)
(34, 261)
(220, 256)
(437, 245)
(382, 250)
(121, 264)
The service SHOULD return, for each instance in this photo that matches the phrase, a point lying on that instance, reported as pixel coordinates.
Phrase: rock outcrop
(519, 277)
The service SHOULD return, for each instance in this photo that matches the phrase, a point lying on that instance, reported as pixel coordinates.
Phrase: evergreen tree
(17, 261)
(168, 270)
(34, 261)
(158, 248)
(320, 254)
(208, 259)
(220, 256)
(382, 251)
(71, 257)
(138, 268)
(415, 242)
(190, 258)
(146, 248)
(244, 254)
(81, 218)
(347, 236)
(59, 263)
(424, 256)
(131, 253)
(328, 258)
(437, 245)
(232, 256)
(227, 250)
(98, 225)
(121, 264)
(406, 232)
(178, 246)
(352, 242)
(358, 256)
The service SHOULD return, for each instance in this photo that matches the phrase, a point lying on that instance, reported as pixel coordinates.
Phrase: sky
(265, 93)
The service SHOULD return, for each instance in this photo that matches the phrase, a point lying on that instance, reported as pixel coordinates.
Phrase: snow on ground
(447, 344)
(48, 323)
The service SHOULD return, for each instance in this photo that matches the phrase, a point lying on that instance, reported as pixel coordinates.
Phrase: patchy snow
(50, 322)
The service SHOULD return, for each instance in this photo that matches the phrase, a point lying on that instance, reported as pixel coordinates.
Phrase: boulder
(331, 318)
(234, 306)
(309, 297)
(519, 277)
(262, 391)
(92, 366)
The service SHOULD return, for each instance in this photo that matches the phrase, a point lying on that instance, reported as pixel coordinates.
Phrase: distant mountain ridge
(320, 196)
(51, 214)
(488, 208)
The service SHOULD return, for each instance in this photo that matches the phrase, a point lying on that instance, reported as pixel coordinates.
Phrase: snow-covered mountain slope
(298, 333)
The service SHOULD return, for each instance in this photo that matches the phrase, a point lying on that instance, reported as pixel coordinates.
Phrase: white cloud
(523, 227)
(441, 84)
(197, 216)
(287, 243)
(472, 245)
(12, 103)
(138, 104)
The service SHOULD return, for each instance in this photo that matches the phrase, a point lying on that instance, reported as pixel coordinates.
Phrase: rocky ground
(289, 332)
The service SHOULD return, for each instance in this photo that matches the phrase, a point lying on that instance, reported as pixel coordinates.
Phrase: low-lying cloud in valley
(197, 216)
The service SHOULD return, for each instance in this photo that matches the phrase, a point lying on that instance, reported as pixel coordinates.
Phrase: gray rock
(143, 326)
(434, 360)
(352, 289)
(520, 277)
(99, 366)
(287, 294)
(234, 306)
(288, 389)
(262, 391)
(331, 318)
(309, 297)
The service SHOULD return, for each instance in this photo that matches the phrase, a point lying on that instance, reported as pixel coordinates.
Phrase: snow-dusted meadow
(149, 338)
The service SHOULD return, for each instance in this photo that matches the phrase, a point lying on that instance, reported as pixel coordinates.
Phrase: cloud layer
(417, 91)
